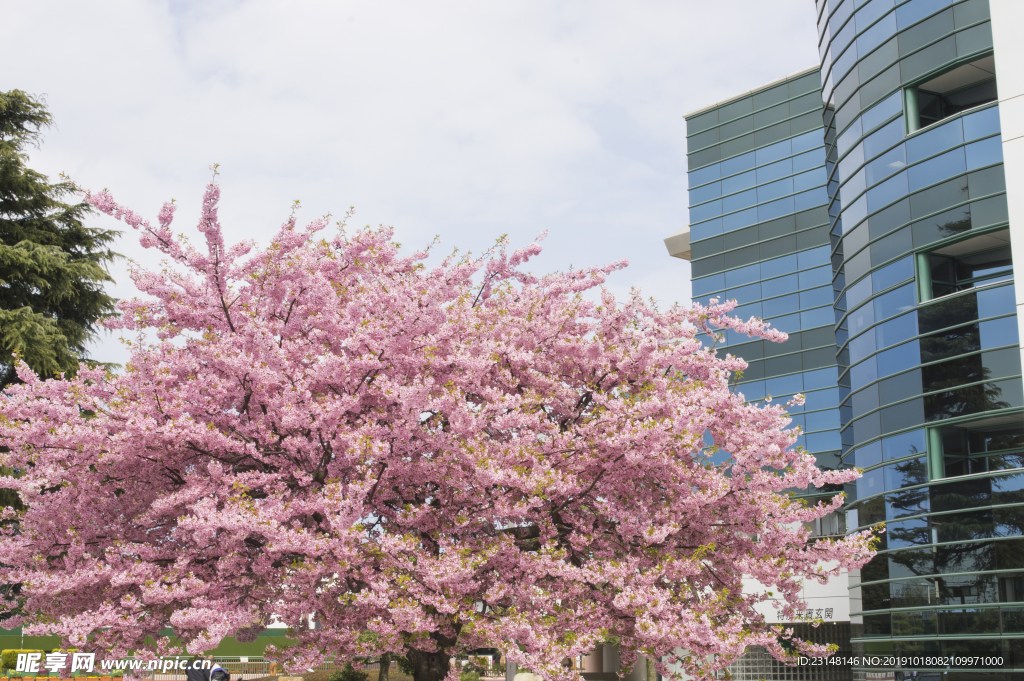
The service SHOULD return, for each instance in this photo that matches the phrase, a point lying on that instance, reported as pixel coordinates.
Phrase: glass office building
(929, 349)
(759, 234)
(921, 114)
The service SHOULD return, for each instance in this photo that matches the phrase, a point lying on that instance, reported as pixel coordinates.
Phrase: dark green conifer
(52, 267)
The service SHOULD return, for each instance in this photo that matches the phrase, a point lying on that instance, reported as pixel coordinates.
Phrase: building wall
(759, 233)
(828, 602)
(1007, 20)
(922, 373)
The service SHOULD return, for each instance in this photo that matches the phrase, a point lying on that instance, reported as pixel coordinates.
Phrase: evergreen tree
(52, 267)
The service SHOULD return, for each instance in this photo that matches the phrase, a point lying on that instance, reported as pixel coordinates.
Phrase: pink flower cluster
(463, 455)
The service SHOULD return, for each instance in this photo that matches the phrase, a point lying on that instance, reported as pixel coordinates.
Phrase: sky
(460, 120)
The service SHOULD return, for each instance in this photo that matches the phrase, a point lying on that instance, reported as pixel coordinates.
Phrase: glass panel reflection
(959, 267)
(968, 621)
(998, 444)
(920, 623)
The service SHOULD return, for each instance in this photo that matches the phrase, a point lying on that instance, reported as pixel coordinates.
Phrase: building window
(977, 447)
(965, 87)
(832, 525)
(977, 261)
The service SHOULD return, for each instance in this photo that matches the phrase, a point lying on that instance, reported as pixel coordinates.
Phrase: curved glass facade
(928, 349)
(862, 207)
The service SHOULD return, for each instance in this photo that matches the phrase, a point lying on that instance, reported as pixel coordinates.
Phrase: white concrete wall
(1007, 30)
(832, 599)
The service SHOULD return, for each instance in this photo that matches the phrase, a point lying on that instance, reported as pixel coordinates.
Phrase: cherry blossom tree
(330, 433)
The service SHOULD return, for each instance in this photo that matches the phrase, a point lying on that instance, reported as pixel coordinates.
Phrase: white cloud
(462, 119)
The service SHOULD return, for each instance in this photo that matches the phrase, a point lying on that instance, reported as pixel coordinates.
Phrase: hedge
(9, 658)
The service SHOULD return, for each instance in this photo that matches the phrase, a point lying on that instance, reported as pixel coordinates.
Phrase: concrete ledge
(678, 244)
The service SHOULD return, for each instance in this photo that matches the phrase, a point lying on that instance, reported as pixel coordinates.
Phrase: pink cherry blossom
(332, 433)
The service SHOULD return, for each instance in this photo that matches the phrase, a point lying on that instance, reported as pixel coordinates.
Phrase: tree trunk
(385, 666)
(652, 673)
(429, 666)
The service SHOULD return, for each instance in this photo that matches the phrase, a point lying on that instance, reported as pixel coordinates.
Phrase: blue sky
(465, 120)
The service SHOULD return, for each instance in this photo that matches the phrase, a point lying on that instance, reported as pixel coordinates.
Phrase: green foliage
(477, 664)
(9, 658)
(404, 665)
(348, 673)
(52, 267)
(474, 668)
